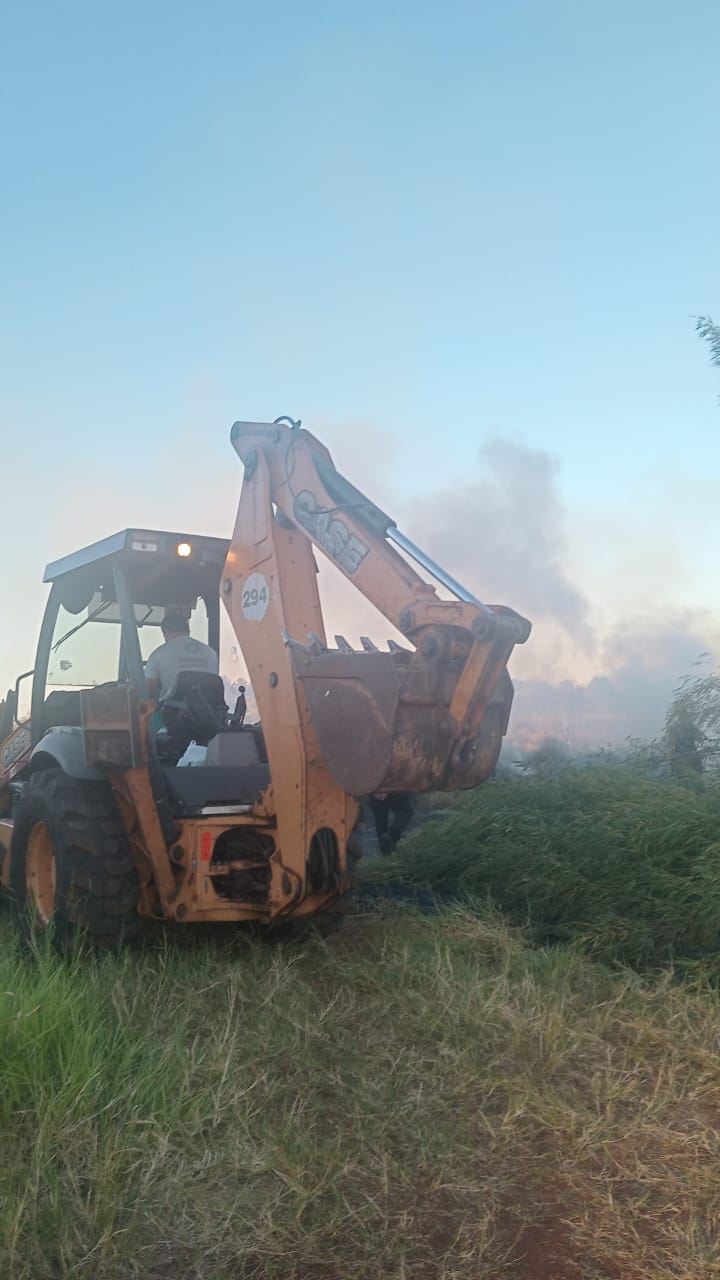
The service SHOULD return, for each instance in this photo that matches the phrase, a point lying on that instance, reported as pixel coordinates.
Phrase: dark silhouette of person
(392, 811)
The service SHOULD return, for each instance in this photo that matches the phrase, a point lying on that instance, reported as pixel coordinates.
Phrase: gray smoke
(504, 536)
(645, 662)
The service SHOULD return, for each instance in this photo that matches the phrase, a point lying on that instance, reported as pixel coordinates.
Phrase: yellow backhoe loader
(102, 821)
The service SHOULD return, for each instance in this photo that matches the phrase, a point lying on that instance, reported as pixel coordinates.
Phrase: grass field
(627, 866)
(415, 1098)
(420, 1097)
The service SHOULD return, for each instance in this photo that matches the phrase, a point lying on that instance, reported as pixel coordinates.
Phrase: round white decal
(255, 597)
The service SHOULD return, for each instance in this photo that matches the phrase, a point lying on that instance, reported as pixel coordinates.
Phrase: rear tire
(72, 871)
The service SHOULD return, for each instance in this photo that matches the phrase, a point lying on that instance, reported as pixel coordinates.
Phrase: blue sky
(420, 223)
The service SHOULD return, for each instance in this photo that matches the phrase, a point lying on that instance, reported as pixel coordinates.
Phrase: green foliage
(692, 724)
(626, 864)
(684, 740)
(548, 760)
(647, 758)
(710, 333)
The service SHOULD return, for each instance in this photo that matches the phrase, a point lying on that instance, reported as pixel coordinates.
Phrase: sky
(465, 242)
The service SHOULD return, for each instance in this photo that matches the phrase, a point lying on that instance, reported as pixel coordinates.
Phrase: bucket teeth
(290, 643)
(316, 644)
(315, 647)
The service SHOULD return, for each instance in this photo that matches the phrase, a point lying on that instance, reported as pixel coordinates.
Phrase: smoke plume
(504, 536)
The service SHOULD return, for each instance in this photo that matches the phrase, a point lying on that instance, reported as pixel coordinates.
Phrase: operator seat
(61, 709)
(194, 711)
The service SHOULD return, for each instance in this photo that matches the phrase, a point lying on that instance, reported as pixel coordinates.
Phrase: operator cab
(102, 621)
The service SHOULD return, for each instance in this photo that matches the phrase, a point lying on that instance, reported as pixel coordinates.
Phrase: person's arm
(152, 677)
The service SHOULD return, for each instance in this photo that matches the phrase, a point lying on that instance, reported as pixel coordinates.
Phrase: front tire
(72, 871)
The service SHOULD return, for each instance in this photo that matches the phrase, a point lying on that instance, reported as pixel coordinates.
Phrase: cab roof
(159, 569)
(132, 546)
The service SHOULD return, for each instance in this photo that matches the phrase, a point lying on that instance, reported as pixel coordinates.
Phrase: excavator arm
(340, 724)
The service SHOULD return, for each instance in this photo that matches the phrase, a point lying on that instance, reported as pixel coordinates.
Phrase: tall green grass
(425, 1098)
(626, 865)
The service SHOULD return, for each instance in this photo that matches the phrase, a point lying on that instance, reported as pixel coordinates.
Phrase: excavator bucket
(429, 719)
(352, 700)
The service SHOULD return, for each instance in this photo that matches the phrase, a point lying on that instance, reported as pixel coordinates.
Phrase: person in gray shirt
(180, 652)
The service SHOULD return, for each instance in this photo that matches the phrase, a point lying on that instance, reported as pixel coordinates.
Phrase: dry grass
(417, 1099)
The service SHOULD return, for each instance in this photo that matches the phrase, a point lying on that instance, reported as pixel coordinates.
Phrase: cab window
(85, 649)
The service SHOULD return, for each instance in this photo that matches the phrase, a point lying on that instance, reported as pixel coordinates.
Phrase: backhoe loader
(103, 824)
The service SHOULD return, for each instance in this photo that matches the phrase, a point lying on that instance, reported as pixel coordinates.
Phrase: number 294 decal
(255, 597)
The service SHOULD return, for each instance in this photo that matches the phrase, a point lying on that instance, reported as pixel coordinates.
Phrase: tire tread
(98, 886)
